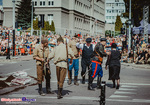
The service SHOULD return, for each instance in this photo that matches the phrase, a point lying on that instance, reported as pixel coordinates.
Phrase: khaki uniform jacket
(38, 52)
(72, 45)
(60, 55)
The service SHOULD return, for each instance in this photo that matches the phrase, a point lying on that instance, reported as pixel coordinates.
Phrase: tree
(118, 23)
(137, 10)
(35, 24)
(24, 10)
(52, 26)
(46, 26)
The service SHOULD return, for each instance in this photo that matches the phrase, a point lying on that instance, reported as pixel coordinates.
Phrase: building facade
(69, 16)
(112, 9)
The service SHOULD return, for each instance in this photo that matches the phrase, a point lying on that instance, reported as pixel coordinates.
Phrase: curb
(146, 66)
(20, 58)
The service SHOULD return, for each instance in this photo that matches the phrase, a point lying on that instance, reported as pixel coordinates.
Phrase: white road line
(79, 98)
(120, 92)
(128, 86)
(23, 95)
(134, 100)
(127, 89)
(12, 62)
(118, 96)
(1, 64)
(19, 70)
(137, 84)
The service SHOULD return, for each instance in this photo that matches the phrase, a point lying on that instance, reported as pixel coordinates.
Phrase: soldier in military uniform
(40, 54)
(59, 55)
(87, 51)
(96, 66)
(75, 63)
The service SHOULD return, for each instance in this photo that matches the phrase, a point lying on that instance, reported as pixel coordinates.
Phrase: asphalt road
(134, 89)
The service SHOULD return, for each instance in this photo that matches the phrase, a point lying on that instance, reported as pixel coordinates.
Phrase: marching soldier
(87, 51)
(97, 63)
(40, 54)
(75, 63)
(59, 55)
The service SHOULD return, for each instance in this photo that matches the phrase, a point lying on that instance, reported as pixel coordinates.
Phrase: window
(50, 3)
(40, 3)
(43, 3)
(116, 0)
(35, 3)
(50, 18)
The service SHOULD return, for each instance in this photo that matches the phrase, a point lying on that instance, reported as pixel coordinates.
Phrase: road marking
(134, 100)
(118, 96)
(127, 89)
(23, 95)
(138, 84)
(120, 92)
(79, 98)
(128, 86)
(1, 64)
(12, 62)
(19, 70)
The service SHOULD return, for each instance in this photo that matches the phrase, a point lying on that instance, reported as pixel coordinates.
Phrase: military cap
(103, 39)
(60, 39)
(88, 40)
(44, 40)
(114, 45)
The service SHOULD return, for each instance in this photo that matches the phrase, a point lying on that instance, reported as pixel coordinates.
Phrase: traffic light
(41, 22)
(122, 30)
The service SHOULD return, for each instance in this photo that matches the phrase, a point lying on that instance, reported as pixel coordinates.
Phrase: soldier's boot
(59, 95)
(40, 90)
(114, 84)
(48, 89)
(98, 82)
(70, 78)
(76, 80)
(90, 83)
(83, 80)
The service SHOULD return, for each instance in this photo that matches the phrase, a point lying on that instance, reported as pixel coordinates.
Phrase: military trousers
(61, 74)
(40, 74)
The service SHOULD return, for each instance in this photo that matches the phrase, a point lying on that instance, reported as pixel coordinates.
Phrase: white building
(112, 9)
(71, 16)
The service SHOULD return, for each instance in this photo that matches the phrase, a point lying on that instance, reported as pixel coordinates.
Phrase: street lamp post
(13, 27)
(129, 46)
(32, 19)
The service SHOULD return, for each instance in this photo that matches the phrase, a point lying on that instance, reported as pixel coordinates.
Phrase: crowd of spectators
(139, 53)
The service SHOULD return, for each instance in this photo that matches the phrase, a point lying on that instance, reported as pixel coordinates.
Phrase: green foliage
(118, 23)
(35, 24)
(52, 26)
(136, 9)
(24, 9)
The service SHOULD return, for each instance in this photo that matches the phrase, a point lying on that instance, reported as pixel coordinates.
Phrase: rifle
(67, 58)
(88, 70)
(45, 60)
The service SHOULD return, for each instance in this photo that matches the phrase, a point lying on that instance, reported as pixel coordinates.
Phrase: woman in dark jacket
(113, 61)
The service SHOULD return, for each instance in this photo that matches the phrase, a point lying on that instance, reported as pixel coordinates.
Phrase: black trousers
(85, 63)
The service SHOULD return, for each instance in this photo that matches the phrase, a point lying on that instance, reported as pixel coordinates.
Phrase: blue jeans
(75, 65)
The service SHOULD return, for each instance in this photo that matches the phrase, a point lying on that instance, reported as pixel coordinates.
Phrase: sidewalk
(15, 58)
(146, 66)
